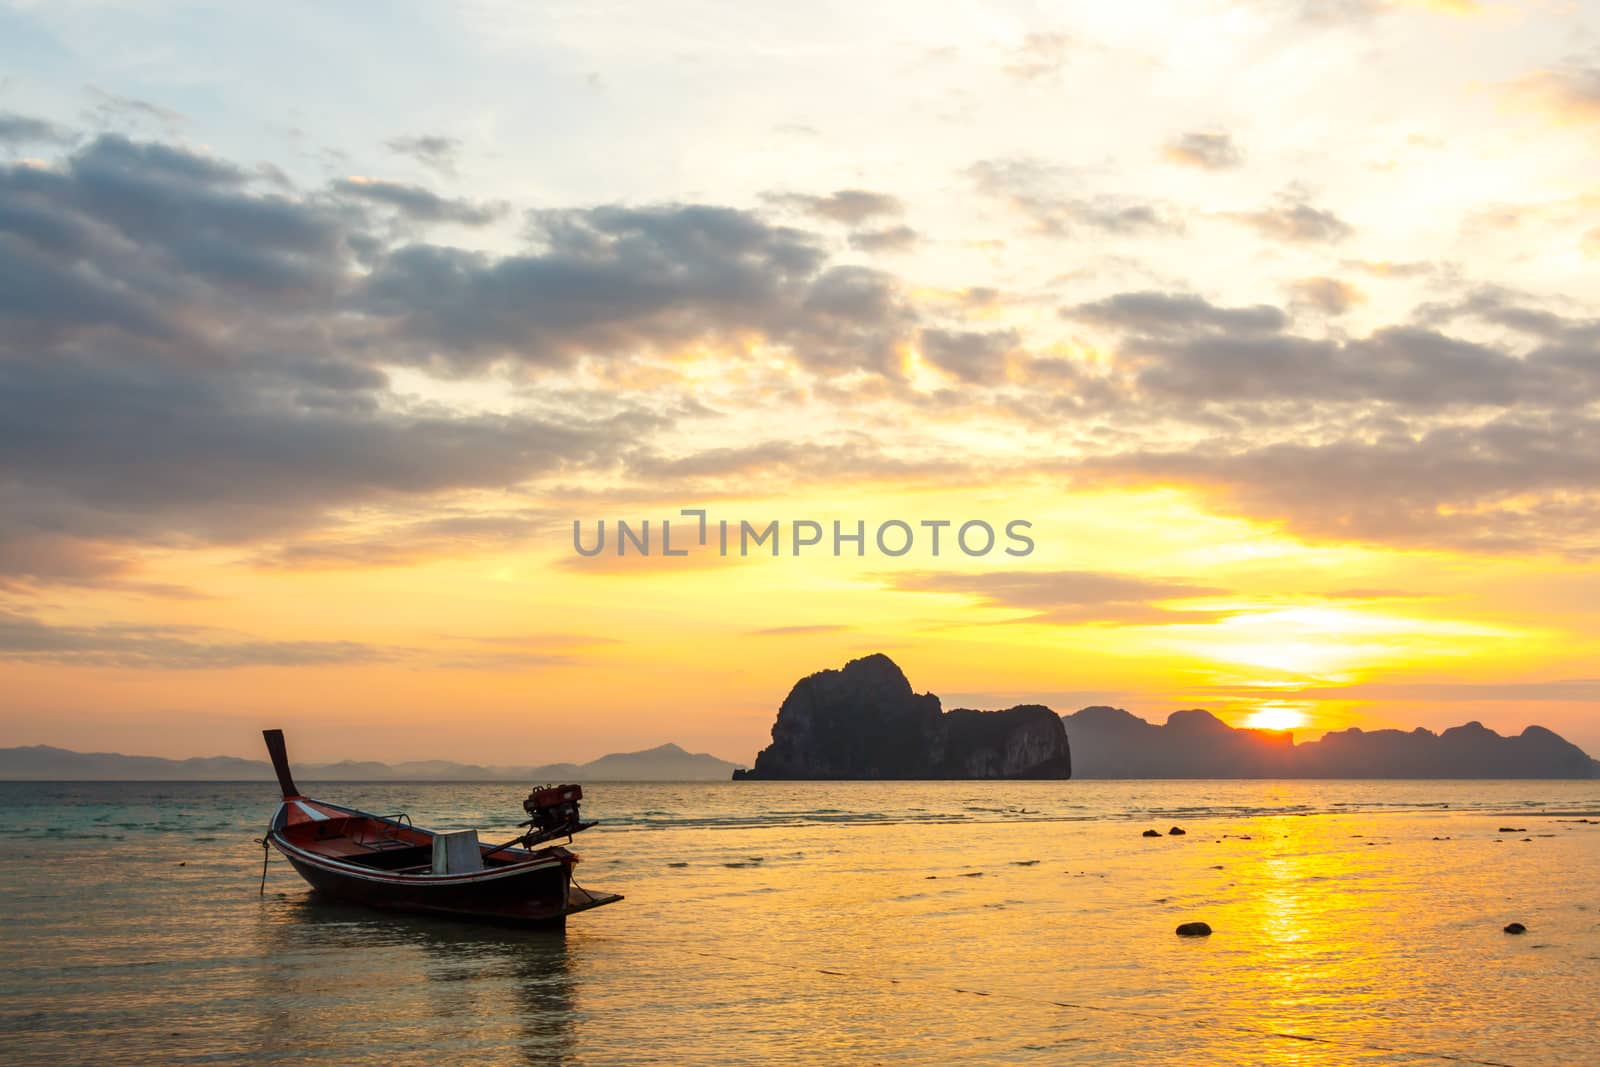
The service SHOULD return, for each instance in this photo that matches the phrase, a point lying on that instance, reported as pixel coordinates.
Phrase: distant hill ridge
(666, 762)
(1113, 743)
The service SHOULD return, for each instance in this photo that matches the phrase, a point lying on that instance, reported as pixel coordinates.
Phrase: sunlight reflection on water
(831, 923)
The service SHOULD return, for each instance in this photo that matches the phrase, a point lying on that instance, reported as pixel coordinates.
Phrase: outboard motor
(553, 811)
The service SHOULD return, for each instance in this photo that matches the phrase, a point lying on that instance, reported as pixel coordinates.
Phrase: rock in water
(865, 721)
(1151, 833)
(1195, 929)
(1176, 831)
(1516, 928)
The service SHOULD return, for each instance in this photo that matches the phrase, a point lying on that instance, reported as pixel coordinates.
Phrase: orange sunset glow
(1294, 389)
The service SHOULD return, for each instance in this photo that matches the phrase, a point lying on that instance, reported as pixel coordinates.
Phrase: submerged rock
(1194, 929)
(1516, 928)
(1151, 833)
(1176, 831)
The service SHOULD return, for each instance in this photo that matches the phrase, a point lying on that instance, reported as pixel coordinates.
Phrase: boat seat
(457, 852)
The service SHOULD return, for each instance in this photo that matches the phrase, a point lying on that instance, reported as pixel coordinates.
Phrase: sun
(1276, 717)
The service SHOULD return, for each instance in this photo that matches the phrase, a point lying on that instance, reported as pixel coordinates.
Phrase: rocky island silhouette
(865, 722)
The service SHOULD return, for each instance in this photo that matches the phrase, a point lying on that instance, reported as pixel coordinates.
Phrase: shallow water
(1356, 923)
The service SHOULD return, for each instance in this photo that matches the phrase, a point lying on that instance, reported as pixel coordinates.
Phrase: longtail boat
(385, 862)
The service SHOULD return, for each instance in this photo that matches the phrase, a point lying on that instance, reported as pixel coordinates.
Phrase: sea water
(830, 923)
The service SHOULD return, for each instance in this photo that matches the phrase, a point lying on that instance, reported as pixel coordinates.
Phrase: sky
(1278, 324)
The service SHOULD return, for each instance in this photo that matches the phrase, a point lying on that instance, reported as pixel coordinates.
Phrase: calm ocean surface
(823, 923)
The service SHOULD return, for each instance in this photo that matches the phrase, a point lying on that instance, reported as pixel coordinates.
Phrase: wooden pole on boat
(280, 762)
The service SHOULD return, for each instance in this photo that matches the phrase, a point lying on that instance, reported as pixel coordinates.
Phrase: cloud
(18, 130)
(1183, 347)
(1569, 93)
(224, 457)
(1207, 151)
(1410, 435)
(970, 356)
(1294, 221)
(450, 533)
(1040, 56)
(849, 206)
(125, 112)
(1385, 268)
(431, 150)
(1511, 483)
(1586, 690)
(1327, 295)
(418, 204)
(613, 282)
(888, 239)
(144, 647)
(797, 631)
(194, 354)
(1157, 313)
(1068, 598)
(243, 335)
(125, 232)
(1037, 191)
(32, 559)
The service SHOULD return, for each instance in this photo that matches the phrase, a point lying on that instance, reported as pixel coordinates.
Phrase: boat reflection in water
(398, 988)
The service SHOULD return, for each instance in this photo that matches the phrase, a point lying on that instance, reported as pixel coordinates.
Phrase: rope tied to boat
(266, 855)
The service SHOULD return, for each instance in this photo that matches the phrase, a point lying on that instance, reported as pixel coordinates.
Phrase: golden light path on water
(837, 923)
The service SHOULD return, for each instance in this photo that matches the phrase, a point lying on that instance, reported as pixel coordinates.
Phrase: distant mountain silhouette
(865, 721)
(1112, 743)
(664, 763)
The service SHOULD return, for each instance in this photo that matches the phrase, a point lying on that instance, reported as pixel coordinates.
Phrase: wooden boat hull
(355, 856)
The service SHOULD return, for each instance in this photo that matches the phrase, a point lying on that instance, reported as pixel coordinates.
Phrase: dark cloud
(1294, 221)
(134, 235)
(1207, 151)
(431, 150)
(419, 204)
(1182, 347)
(614, 282)
(849, 206)
(194, 455)
(1578, 338)
(970, 356)
(1069, 598)
(1511, 483)
(888, 239)
(1409, 435)
(1157, 313)
(179, 363)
